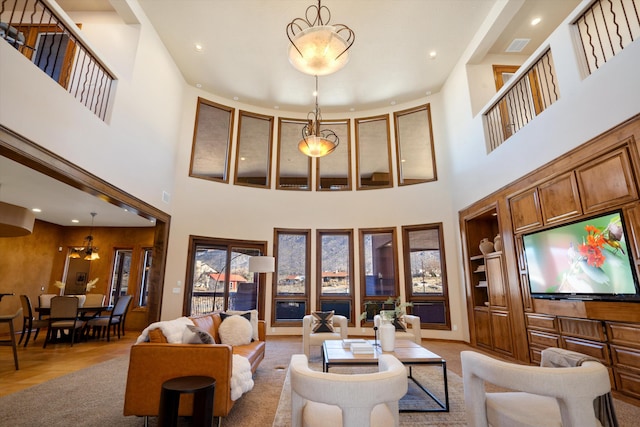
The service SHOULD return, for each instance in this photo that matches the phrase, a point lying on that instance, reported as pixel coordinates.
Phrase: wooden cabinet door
(559, 199)
(495, 282)
(525, 211)
(606, 181)
(501, 332)
(482, 327)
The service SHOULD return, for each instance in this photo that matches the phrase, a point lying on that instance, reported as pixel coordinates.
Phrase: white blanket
(241, 377)
(171, 329)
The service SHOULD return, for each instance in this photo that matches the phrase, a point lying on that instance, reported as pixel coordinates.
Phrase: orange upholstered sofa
(152, 363)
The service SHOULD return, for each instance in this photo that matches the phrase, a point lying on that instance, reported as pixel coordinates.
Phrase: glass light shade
(320, 51)
(92, 256)
(262, 264)
(316, 146)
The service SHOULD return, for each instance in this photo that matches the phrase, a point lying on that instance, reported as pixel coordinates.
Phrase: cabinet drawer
(627, 382)
(627, 357)
(624, 333)
(594, 349)
(535, 354)
(582, 328)
(543, 339)
(540, 321)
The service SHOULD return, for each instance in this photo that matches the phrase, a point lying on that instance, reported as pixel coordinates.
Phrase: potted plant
(371, 308)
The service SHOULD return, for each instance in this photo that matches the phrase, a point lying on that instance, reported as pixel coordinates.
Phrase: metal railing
(35, 30)
(606, 28)
(529, 96)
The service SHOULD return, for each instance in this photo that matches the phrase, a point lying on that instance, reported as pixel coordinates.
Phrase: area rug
(430, 376)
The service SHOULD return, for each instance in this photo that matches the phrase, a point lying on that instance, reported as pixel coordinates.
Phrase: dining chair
(44, 301)
(64, 316)
(115, 320)
(11, 341)
(30, 322)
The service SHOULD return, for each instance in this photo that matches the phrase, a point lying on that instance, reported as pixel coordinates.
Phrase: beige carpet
(93, 397)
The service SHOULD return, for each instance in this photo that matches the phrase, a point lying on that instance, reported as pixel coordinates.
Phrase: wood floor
(38, 364)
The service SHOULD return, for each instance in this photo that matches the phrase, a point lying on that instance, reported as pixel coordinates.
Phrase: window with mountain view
(291, 285)
(425, 274)
(220, 278)
(335, 271)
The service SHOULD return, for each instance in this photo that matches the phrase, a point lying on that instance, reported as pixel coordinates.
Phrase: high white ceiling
(244, 56)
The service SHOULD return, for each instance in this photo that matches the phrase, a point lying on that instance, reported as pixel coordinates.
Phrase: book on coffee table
(361, 348)
(346, 343)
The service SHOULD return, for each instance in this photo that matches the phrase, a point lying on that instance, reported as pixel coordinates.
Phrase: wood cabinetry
(597, 177)
(488, 293)
(606, 180)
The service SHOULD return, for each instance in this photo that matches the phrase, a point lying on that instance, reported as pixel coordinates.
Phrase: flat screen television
(586, 259)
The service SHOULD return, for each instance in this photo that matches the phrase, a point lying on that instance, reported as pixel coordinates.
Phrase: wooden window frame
(396, 119)
(350, 262)
(275, 298)
(444, 298)
(363, 278)
(280, 181)
(239, 180)
(359, 167)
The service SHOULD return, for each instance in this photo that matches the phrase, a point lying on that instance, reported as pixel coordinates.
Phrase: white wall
(135, 149)
(206, 208)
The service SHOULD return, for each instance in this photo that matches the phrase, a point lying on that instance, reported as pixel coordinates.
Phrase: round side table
(203, 389)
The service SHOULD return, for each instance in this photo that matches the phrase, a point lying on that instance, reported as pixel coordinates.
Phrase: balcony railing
(529, 96)
(606, 28)
(36, 30)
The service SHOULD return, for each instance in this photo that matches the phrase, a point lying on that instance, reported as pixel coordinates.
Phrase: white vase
(387, 336)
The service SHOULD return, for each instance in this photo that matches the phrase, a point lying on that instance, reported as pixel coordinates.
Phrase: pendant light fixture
(318, 48)
(317, 142)
(89, 251)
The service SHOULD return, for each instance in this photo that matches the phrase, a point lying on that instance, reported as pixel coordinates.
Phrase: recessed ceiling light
(536, 21)
(198, 85)
(36, 210)
(75, 221)
(277, 107)
(352, 109)
(433, 54)
(428, 93)
(235, 98)
(243, 158)
(198, 47)
(393, 102)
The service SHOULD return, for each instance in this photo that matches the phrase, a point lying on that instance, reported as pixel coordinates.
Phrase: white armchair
(347, 400)
(413, 332)
(542, 396)
(310, 338)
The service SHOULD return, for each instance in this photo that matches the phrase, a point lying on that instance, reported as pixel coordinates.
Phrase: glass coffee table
(408, 352)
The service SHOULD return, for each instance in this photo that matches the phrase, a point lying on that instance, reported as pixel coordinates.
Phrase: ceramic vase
(486, 246)
(497, 243)
(387, 336)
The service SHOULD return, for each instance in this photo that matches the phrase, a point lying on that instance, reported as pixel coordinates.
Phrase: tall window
(253, 150)
(211, 141)
(294, 168)
(373, 153)
(414, 142)
(334, 170)
(335, 272)
(378, 266)
(291, 285)
(425, 274)
(144, 277)
(121, 273)
(219, 278)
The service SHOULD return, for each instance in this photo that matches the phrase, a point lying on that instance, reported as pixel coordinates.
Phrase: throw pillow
(194, 335)
(322, 321)
(235, 330)
(400, 323)
(156, 335)
(254, 320)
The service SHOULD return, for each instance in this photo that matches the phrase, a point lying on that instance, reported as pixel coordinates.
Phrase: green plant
(371, 308)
